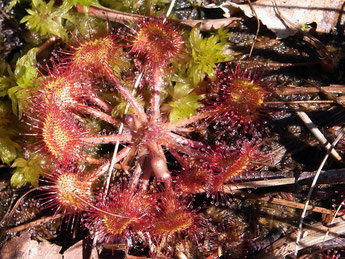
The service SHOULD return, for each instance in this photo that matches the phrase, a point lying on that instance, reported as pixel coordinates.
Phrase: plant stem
(159, 163)
(170, 126)
(157, 79)
(138, 108)
(107, 183)
(102, 104)
(185, 141)
(97, 114)
(108, 139)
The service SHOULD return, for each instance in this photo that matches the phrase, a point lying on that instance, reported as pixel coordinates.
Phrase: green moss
(25, 76)
(27, 171)
(133, 6)
(184, 107)
(204, 53)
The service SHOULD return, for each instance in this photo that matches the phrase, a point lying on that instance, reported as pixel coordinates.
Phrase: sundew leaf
(184, 107)
(27, 171)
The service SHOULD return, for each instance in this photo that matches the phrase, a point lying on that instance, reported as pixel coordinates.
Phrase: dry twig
(312, 188)
(32, 224)
(286, 203)
(313, 235)
(317, 133)
(289, 90)
(125, 18)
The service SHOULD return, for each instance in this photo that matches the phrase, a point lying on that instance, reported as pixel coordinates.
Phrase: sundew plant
(134, 130)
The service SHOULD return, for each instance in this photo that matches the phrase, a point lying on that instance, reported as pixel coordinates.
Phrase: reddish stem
(179, 158)
(185, 141)
(97, 114)
(138, 108)
(102, 104)
(158, 162)
(108, 139)
(101, 170)
(172, 145)
(157, 78)
(170, 126)
(136, 176)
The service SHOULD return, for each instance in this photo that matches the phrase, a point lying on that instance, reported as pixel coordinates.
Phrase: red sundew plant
(70, 189)
(237, 97)
(58, 133)
(174, 219)
(194, 179)
(161, 161)
(121, 214)
(64, 90)
(228, 165)
(83, 55)
(65, 138)
(157, 40)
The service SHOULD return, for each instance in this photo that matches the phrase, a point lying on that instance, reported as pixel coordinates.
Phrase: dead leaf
(75, 251)
(23, 247)
(81, 249)
(326, 14)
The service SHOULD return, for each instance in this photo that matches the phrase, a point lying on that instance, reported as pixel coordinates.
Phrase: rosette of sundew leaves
(158, 139)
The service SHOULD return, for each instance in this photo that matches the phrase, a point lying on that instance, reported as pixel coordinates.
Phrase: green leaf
(184, 107)
(26, 77)
(18, 179)
(25, 64)
(6, 82)
(20, 162)
(27, 171)
(224, 35)
(205, 53)
(8, 150)
(45, 19)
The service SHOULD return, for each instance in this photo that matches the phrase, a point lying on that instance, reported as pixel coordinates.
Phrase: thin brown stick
(268, 65)
(326, 177)
(257, 29)
(286, 203)
(33, 223)
(290, 89)
(117, 145)
(259, 184)
(125, 18)
(313, 235)
(317, 133)
(301, 102)
(325, 92)
(313, 185)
